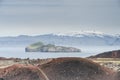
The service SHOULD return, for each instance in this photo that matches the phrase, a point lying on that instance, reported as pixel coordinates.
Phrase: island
(40, 47)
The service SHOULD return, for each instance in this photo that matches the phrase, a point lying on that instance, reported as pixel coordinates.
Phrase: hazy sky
(47, 16)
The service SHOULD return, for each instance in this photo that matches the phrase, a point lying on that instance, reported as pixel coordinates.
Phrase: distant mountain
(110, 54)
(69, 39)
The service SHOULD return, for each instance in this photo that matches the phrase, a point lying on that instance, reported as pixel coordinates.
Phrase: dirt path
(45, 76)
(5, 66)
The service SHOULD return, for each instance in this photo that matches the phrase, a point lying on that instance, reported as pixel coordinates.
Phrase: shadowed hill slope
(20, 72)
(117, 77)
(110, 54)
(75, 69)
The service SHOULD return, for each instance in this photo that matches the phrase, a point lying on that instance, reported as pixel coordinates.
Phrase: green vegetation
(36, 45)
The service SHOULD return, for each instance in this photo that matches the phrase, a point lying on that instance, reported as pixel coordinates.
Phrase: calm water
(19, 52)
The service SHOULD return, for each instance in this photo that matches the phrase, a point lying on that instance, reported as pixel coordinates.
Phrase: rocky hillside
(110, 54)
(21, 72)
(74, 69)
(40, 47)
(58, 69)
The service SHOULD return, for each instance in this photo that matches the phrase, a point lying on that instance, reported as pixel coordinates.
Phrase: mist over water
(19, 52)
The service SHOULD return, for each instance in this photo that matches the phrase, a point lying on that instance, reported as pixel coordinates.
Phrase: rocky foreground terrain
(55, 69)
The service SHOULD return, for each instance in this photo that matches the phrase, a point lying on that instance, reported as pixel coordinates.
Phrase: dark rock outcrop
(110, 54)
(1, 79)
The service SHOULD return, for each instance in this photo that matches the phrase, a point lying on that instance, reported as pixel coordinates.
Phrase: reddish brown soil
(21, 72)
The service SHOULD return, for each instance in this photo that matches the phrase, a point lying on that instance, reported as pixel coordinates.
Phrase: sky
(33, 17)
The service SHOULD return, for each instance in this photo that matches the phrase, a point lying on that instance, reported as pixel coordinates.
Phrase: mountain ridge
(70, 39)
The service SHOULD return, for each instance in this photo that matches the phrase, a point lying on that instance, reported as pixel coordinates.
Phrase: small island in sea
(40, 47)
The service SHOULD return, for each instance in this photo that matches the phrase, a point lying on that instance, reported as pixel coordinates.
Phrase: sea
(86, 51)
